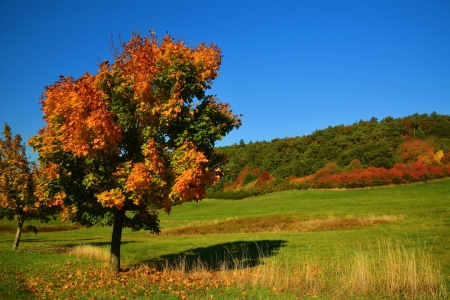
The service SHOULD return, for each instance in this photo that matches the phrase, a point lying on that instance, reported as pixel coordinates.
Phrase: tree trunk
(18, 233)
(114, 260)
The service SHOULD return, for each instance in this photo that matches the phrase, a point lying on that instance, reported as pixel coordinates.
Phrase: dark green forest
(343, 148)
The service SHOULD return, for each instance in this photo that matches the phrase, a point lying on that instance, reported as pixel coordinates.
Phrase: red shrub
(264, 179)
(264, 176)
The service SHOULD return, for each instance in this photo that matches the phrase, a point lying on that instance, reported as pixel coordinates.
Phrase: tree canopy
(135, 137)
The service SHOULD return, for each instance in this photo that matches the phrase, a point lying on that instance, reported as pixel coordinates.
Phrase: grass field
(380, 243)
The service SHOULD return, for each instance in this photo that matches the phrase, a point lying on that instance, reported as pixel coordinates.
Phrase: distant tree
(328, 169)
(17, 183)
(353, 165)
(441, 128)
(264, 179)
(420, 134)
(411, 150)
(135, 137)
(378, 155)
(272, 159)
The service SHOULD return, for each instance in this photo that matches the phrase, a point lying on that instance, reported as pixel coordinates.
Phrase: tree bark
(114, 259)
(18, 233)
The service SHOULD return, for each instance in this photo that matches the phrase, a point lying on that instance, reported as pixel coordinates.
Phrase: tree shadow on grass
(235, 255)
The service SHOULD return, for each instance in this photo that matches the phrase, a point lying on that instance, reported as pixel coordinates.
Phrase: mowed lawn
(322, 235)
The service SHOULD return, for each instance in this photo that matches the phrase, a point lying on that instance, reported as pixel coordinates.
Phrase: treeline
(333, 157)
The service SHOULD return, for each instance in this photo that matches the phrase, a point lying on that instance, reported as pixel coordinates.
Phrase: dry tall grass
(92, 252)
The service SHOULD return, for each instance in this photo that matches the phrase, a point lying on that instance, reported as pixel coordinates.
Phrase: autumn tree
(133, 138)
(17, 182)
(412, 150)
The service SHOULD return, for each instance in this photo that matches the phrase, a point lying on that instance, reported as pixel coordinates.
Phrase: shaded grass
(9, 229)
(13, 285)
(231, 255)
(53, 225)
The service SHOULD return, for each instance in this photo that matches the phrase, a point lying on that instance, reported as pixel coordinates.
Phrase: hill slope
(381, 147)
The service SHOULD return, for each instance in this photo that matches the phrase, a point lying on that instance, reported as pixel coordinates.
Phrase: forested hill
(343, 148)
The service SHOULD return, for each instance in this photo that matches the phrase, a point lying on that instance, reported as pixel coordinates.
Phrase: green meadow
(377, 243)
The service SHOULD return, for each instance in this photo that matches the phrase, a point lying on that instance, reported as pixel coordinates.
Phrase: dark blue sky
(290, 67)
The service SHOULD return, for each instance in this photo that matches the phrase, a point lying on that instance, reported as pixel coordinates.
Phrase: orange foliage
(237, 184)
(139, 181)
(112, 198)
(78, 117)
(191, 176)
(412, 150)
(57, 200)
(255, 171)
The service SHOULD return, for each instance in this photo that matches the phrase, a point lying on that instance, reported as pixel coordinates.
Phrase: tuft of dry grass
(92, 252)
(280, 224)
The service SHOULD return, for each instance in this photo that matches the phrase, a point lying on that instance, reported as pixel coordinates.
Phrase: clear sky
(290, 67)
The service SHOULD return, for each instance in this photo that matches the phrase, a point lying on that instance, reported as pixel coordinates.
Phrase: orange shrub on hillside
(372, 176)
(239, 180)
